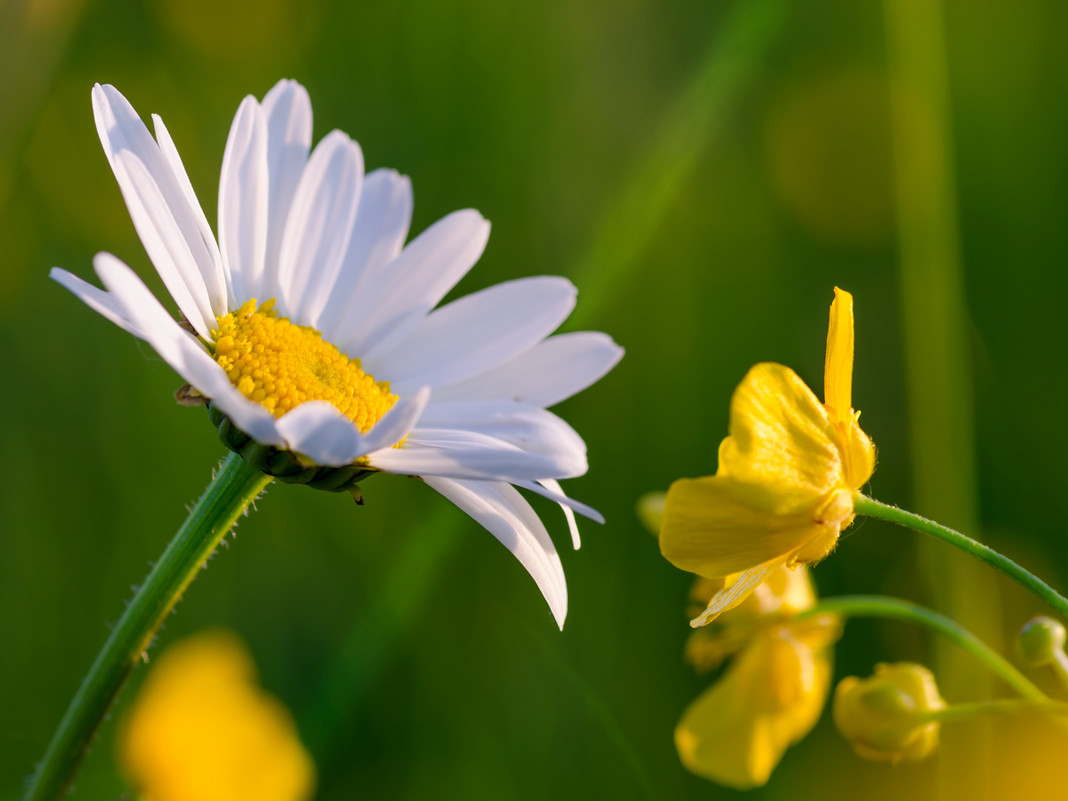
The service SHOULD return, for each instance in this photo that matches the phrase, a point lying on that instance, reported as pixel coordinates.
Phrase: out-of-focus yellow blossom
(651, 510)
(787, 472)
(201, 729)
(772, 693)
(885, 715)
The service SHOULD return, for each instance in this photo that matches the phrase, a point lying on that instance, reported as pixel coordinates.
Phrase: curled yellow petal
(858, 455)
(736, 592)
(838, 368)
(782, 594)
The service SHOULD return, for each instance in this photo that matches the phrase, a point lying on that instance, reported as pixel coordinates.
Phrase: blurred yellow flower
(773, 692)
(787, 472)
(884, 716)
(201, 729)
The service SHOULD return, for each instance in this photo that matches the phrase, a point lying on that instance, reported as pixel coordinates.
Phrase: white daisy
(315, 327)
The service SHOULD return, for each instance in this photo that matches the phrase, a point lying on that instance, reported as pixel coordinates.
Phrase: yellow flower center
(281, 365)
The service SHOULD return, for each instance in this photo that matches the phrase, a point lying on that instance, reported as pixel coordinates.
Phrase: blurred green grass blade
(367, 646)
(600, 711)
(937, 359)
(733, 59)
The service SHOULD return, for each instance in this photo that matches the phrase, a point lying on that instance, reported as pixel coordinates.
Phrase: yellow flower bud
(885, 716)
(1041, 639)
(651, 511)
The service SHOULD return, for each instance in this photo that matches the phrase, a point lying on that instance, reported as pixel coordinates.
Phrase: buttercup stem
(234, 487)
(892, 514)
(897, 609)
(1001, 706)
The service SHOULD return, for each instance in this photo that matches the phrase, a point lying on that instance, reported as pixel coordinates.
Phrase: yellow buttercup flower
(787, 472)
(772, 693)
(202, 730)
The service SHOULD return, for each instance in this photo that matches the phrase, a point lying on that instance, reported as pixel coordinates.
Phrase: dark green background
(705, 172)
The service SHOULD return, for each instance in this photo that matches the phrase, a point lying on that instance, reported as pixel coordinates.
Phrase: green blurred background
(705, 172)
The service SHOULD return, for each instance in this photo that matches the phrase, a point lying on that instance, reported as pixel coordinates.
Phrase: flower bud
(1041, 639)
(884, 716)
(651, 511)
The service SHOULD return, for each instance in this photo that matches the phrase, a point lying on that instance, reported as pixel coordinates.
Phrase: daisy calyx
(316, 331)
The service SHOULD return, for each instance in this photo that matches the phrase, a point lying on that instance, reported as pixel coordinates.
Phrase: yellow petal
(858, 456)
(783, 450)
(817, 631)
(769, 698)
(784, 591)
(709, 529)
(738, 590)
(838, 368)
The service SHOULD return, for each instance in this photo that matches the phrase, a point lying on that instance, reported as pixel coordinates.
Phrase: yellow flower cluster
(774, 689)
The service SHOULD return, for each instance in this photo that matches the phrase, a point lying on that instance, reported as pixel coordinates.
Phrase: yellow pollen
(281, 365)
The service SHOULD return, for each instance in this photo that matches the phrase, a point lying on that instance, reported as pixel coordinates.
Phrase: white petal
(381, 226)
(413, 283)
(465, 454)
(565, 504)
(502, 511)
(527, 427)
(319, 431)
(551, 489)
(181, 350)
(570, 506)
(551, 371)
(96, 299)
(164, 243)
(287, 110)
(158, 207)
(476, 332)
(319, 226)
(211, 268)
(243, 190)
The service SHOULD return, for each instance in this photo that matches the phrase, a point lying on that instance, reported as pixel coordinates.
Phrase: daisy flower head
(314, 333)
(787, 473)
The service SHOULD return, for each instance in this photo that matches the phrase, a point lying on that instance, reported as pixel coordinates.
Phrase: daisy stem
(897, 609)
(234, 486)
(892, 514)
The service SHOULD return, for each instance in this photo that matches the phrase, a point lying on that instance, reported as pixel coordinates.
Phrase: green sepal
(284, 465)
